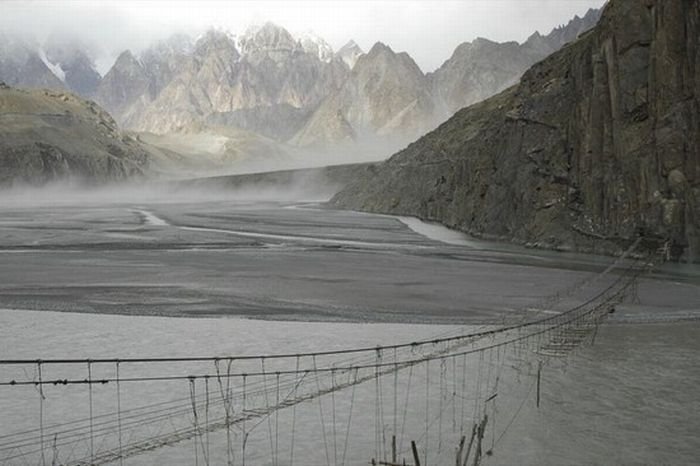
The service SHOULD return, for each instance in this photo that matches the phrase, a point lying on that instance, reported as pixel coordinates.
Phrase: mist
(290, 186)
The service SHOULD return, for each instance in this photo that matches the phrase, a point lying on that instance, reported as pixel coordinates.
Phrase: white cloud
(428, 30)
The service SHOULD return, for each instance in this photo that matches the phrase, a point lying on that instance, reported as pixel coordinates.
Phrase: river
(221, 277)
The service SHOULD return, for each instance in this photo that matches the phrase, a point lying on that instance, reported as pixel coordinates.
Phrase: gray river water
(220, 278)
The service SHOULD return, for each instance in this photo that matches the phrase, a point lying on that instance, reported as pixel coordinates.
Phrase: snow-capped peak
(315, 45)
(267, 37)
(55, 69)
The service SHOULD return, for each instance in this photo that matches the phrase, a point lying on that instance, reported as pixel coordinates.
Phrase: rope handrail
(334, 368)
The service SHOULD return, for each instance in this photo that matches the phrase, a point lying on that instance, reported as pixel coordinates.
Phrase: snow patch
(55, 69)
(316, 45)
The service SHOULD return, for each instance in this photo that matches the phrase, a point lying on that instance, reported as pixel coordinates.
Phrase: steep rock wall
(599, 142)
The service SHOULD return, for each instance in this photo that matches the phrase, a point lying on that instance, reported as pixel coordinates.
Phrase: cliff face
(49, 135)
(597, 142)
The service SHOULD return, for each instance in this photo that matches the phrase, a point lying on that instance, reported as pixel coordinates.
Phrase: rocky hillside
(49, 135)
(482, 68)
(598, 143)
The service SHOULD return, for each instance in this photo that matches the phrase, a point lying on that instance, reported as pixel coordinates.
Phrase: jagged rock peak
(480, 46)
(484, 42)
(316, 45)
(349, 53)
(380, 53)
(268, 37)
(72, 61)
(379, 48)
(217, 41)
(568, 32)
(23, 63)
(127, 59)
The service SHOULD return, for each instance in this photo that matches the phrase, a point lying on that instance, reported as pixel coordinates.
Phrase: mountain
(571, 31)
(266, 69)
(126, 88)
(385, 94)
(598, 143)
(267, 41)
(72, 62)
(482, 68)
(349, 53)
(23, 64)
(291, 89)
(47, 135)
(164, 59)
(315, 45)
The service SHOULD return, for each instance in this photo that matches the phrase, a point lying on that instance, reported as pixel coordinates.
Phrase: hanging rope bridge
(433, 401)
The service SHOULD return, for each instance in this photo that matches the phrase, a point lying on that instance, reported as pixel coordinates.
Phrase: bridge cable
(405, 406)
(320, 408)
(427, 410)
(92, 434)
(267, 408)
(352, 403)
(277, 421)
(119, 416)
(396, 414)
(194, 419)
(294, 419)
(382, 424)
(244, 439)
(40, 389)
(206, 417)
(335, 437)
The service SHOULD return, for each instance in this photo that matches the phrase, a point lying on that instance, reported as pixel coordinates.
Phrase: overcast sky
(429, 30)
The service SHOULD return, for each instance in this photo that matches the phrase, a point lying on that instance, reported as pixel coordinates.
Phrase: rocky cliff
(50, 135)
(598, 143)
